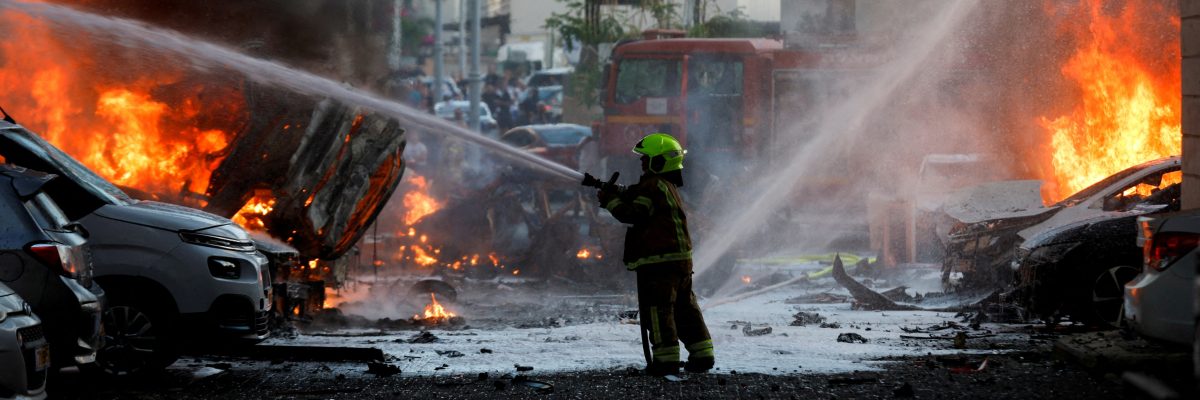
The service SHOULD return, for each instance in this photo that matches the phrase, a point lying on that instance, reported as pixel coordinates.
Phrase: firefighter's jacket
(659, 230)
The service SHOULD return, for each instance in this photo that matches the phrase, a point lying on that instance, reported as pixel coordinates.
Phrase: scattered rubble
(522, 368)
(449, 353)
(382, 369)
(423, 337)
(851, 337)
(748, 330)
(803, 318)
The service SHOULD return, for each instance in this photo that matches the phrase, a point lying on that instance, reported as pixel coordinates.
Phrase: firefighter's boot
(700, 357)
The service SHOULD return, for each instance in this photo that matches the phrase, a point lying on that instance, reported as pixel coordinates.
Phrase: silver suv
(174, 275)
(24, 353)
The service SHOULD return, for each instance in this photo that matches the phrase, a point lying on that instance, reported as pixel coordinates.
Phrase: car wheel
(136, 340)
(1108, 294)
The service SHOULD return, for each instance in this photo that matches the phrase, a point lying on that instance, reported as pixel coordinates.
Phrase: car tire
(137, 338)
(1103, 301)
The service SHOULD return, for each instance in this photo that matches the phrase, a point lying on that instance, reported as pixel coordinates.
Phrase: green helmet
(666, 154)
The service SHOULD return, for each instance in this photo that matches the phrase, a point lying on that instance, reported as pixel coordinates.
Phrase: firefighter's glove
(605, 196)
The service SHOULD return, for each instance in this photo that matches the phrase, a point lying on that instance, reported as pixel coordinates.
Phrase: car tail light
(1164, 248)
(57, 257)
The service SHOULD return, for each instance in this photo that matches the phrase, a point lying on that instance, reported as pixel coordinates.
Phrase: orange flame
(435, 310)
(746, 279)
(418, 202)
(1129, 105)
(422, 258)
(254, 211)
(148, 130)
(583, 253)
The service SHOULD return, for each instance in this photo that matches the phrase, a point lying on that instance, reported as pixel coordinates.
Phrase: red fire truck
(728, 100)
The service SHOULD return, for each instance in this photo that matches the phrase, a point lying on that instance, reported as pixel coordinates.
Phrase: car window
(638, 78)
(715, 77)
(1159, 189)
(46, 213)
(1099, 186)
(562, 137)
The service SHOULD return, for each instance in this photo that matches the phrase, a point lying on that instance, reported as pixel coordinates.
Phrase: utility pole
(462, 38)
(397, 36)
(438, 69)
(474, 80)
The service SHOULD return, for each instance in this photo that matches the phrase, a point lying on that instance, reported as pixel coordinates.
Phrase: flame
(422, 258)
(435, 310)
(418, 202)
(746, 279)
(1128, 111)
(254, 211)
(583, 253)
(147, 130)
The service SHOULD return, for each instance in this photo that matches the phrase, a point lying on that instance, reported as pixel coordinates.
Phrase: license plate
(41, 357)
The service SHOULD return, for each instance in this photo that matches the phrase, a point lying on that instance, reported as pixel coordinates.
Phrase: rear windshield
(60, 163)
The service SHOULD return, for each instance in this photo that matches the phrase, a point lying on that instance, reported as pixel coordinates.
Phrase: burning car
(168, 270)
(992, 220)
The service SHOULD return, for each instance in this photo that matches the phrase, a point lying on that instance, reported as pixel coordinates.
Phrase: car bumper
(21, 340)
(1159, 305)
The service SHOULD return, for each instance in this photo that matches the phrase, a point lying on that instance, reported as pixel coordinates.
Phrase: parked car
(982, 244)
(24, 351)
(446, 109)
(1158, 302)
(43, 259)
(549, 77)
(567, 144)
(171, 272)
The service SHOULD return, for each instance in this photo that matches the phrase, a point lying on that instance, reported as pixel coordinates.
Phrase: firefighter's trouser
(669, 311)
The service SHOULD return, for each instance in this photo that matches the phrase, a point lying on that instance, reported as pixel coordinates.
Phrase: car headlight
(219, 242)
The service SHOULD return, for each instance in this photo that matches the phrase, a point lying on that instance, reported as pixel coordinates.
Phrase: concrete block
(1190, 36)
(1189, 8)
(1191, 114)
(1190, 69)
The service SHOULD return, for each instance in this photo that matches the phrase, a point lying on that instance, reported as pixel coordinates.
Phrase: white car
(173, 274)
(24, 352)
(1159, 301)
(487, 123)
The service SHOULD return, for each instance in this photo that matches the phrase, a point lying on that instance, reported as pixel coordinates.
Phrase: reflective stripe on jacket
(658, 231)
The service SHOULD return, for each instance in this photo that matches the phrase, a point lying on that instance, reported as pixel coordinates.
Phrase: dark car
(567, 144)
(44, 259)
(1080, 269)
(980, 246)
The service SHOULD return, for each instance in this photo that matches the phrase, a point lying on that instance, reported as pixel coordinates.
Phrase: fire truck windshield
(647, 77)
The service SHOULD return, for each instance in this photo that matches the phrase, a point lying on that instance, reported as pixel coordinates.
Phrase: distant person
(530, 111)
(658, 248)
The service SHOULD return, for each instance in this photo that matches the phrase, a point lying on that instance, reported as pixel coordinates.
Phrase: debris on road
(423, 337)
(522, 368)
(382, 369)
(803, 318)
(449, 353)
(748, 330)
(851, 337)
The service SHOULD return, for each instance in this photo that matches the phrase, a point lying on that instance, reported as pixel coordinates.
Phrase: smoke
(858, 131)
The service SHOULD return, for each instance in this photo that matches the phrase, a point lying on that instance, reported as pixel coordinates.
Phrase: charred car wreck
(1068, 259)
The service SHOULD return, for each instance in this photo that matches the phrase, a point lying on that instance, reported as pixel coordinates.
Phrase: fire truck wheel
(136, 338)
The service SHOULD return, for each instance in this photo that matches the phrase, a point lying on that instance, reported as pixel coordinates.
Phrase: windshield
(67, 166)
(563, 136)
(445, 110)
(647, 77)
(1105, 183)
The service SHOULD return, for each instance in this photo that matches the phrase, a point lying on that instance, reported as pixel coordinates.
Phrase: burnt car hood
(163, 216)
(997, 201)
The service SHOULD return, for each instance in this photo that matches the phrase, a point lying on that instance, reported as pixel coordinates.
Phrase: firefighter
(659, 249)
